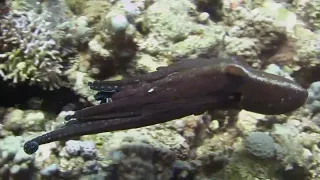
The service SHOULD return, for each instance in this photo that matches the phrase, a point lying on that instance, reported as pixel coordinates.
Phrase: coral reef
(14, 161)
(73, 34)
(242, 167)
(18, 121)
(142, 161)
(252, 34)
(309, 11)
(260, 145)
(314, 97)
(28, 51)
(35, 47)
(86, 149)
(68, 43)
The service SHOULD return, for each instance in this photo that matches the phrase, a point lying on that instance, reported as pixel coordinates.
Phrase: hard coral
(73, 34)
(244, 168)
(313, 101)
(28, 52)
(143, 161)
(86, 149)
(253, 34)
(310, 12)
(260, 144)
(18, 121)
(13, 161)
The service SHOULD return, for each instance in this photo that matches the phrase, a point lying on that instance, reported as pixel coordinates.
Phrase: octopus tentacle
(150, 115)
(78, 129)
(105, 116)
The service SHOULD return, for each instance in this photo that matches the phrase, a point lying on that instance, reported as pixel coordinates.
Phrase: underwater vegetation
(159, 89)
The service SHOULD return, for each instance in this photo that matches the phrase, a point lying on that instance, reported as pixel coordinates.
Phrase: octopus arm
(160, 73)
(184, 85)
(152, 114)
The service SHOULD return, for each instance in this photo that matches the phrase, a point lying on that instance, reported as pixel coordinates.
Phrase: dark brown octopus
(187, 87)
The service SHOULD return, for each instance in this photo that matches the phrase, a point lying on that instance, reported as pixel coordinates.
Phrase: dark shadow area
(306, 76)
(272, 48)
(214, 8)
(296, 173)
(24, 96)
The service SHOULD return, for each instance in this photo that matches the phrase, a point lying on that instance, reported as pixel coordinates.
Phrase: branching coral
(28, 52)
(36, 46)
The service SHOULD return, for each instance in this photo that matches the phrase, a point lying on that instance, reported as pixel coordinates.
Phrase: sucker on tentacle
(104, 97)
(104, 93)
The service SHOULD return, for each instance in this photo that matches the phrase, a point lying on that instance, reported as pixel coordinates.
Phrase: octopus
(186, 87)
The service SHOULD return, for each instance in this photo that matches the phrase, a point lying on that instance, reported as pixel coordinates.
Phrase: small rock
(15, 169)
(247, 121)
(38, 116)
(214, 125)
(90, 167)
(21, 156)
(203, 17)
(307, 154)
(119, 23)
(50, 170)
(73, 147)
(88, 149)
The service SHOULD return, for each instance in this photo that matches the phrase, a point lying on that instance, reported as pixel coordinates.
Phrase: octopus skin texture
(186, 87)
